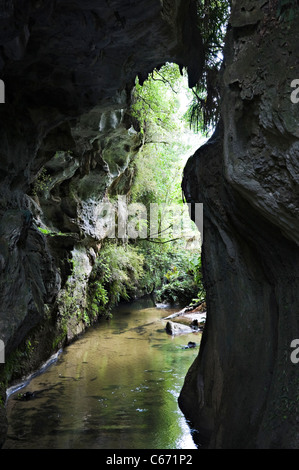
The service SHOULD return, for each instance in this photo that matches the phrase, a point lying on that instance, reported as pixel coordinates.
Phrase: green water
(115, 388)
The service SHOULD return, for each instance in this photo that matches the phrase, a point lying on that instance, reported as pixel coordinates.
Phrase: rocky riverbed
(186, 320)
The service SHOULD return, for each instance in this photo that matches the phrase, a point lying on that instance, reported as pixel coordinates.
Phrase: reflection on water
(115, 388)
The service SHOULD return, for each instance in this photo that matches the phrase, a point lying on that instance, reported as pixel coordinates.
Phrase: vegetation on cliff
(162, 265)
(204, 112)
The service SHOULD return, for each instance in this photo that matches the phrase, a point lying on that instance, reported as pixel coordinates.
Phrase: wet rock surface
(174, 329)
(66, 141)
(66, 135)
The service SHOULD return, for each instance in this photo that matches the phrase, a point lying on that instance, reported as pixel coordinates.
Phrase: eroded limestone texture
(66, 140)
(242, 391)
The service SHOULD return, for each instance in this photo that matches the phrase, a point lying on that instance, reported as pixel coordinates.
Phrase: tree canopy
(160, 108)
(204, 112)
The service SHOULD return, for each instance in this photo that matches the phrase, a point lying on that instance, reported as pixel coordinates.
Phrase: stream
(116, 387)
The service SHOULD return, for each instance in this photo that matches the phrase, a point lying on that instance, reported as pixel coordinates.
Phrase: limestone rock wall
(242, 390)
(66, 140)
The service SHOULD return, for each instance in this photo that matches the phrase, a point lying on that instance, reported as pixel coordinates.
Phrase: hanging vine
(204, 112)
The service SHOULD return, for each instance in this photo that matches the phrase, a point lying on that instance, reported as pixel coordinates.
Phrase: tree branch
(156, 142)
(162, 231)
(161, 243)
(164, 80)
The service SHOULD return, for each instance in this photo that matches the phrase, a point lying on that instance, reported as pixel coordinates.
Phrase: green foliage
(99, 299)
(158, 174)
(42, 183)
(204, 112)
(115, 277)
(156, 100)
(68, 306)
(60, 338)
(46, 231)
(159, 166)
(125, 271)
(178, 291)
(160, 105)
(212, 19)
(183, 282)
(15, 364)
(159, 261)
(197, 274)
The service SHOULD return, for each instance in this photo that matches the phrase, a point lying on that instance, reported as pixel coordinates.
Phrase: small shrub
(116, 276)
(42, 183)
(178, 291)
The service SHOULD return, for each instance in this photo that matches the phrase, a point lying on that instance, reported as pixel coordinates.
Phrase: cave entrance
(155, 248)
(171, 243)
(173, 122)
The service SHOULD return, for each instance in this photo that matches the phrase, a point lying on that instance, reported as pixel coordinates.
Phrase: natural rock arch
(64, 68)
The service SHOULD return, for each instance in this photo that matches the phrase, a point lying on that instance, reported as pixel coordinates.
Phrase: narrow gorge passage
(115, 388)
(75, 103)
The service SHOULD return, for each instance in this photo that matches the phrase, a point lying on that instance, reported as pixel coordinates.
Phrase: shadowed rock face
(67, 139)
(242, 390)
(68, 69)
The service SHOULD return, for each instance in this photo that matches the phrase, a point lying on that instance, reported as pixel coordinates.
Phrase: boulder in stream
(175, 329)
